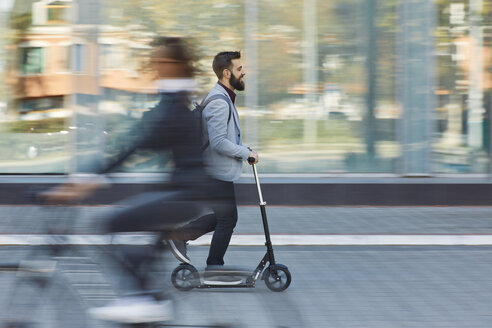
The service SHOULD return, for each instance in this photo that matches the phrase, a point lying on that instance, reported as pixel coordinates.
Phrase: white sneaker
(136, 309)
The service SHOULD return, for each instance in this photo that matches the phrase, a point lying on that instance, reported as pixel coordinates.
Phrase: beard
(238, 84)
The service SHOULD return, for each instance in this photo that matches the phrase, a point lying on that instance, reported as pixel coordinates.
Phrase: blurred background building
(395, 87)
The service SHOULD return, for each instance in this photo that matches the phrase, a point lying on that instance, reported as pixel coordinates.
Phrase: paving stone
(344, 286)
(282, 220)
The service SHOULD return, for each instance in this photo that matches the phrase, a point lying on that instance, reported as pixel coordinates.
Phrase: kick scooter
(276, 276)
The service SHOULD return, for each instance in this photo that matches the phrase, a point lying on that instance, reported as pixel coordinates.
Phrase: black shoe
(178, 248)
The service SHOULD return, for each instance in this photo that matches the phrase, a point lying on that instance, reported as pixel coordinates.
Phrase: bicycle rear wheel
(41, 298)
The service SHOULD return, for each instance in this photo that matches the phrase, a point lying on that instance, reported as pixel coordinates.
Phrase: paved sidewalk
(332, 287)
(282, 220)
(288, 225)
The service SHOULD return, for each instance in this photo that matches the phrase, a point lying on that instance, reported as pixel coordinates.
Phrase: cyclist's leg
(157, 212)
(196, 228)
(154, 212)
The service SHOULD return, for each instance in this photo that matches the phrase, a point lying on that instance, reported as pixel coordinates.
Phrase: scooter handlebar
(251, 160)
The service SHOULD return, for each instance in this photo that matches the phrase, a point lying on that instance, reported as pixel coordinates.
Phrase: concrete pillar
(475, 92)
(415, 61)
(251, 55)
(310, 69)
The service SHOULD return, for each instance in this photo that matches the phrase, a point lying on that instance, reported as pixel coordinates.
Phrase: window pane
(35, 111)
(316, 63)
(57, 14)
(32, 60)
(79, 58)
(462, 140)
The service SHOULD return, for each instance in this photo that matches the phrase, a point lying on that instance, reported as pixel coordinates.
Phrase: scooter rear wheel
(277, 277)
(185, 277)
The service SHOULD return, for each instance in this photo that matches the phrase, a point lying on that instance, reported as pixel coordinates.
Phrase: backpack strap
(204, 104)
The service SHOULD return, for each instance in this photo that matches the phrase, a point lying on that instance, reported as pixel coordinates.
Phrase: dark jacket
(170, 125)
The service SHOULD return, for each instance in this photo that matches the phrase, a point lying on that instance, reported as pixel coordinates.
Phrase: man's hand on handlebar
(253, 157)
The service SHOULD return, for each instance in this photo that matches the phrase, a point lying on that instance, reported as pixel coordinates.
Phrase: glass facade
(345, 86)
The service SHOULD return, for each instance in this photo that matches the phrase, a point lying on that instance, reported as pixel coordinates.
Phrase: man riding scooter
(223, 156)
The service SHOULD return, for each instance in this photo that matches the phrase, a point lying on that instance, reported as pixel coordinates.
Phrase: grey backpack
(198, 110)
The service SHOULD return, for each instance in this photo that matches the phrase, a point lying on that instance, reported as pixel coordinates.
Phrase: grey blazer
(223, 157)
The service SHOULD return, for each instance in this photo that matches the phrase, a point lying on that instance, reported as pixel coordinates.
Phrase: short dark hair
(223, 60)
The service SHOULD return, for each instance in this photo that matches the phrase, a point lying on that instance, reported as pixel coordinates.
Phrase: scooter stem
(269, 257)
(262, 202)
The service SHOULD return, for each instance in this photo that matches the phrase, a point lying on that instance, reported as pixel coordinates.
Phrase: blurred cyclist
(170, 125)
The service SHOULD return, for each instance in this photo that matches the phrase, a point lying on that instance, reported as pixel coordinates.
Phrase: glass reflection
(333, 86)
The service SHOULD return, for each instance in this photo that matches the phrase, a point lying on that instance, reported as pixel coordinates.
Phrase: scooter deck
(209, 286)
(245, 275)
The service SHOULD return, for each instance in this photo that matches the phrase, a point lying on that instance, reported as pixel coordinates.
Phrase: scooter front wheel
(277, 277)
(185, 277)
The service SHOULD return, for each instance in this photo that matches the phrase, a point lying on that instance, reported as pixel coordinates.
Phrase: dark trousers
(222, 221)
(161, 212)
(154, 211)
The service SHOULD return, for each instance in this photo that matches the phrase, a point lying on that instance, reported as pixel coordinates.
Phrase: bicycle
(55, 281)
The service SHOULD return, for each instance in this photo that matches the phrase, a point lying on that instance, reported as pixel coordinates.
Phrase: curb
(259, 240)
